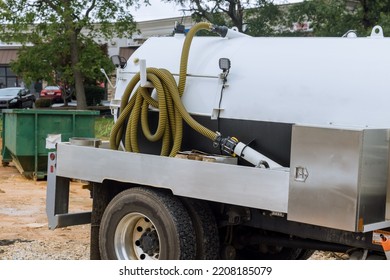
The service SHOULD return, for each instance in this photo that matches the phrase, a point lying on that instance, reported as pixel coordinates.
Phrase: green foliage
(92, 58)
(336, 17)
(220, 12)
(256, 18)
(326, 17)
(41, 21)
(43, 103)
(54, 47)
(94, 95)
(213, 15)
(36, 63)
(264, 19)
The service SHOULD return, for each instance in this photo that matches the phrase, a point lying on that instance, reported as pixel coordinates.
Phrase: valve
(233, 147)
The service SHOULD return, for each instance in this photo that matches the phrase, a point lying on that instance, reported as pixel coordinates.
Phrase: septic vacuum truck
(237, 147)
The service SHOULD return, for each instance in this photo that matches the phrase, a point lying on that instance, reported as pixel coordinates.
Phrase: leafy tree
(373, 13)
(217, 12)
(58, 36)
(264, 19)
(256, 17)
(34, 64)
(336, 17)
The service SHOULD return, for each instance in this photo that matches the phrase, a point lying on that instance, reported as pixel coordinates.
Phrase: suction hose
(134, 110)
(171, 110)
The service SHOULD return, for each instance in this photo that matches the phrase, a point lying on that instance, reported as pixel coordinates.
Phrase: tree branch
(91, 7)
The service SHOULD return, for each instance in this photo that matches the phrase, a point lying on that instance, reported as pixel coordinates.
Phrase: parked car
(16, 97)
(52, 92)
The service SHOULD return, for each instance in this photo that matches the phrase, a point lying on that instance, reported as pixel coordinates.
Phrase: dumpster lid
(50, 112)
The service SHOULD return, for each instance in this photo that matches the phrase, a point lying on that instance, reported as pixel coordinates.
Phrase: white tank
(317, 81)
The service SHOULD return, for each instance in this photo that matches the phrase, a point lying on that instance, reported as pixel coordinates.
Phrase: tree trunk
(235, 12)
(78, 76)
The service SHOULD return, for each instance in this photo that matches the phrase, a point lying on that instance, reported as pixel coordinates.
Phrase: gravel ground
(44, 250)
(75, 250)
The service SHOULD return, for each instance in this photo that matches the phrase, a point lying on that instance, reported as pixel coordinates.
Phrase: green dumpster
(28, 135)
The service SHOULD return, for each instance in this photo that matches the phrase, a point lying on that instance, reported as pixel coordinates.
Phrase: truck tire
(207, 236)
(144, 224)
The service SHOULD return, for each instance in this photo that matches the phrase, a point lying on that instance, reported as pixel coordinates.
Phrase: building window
(7, 77)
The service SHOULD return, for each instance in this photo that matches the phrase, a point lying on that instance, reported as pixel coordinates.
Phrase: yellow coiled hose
(171, 110)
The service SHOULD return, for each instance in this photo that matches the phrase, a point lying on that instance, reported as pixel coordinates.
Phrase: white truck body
(313, 81)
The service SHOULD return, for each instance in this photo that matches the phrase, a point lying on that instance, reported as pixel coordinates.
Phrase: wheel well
(115, 187)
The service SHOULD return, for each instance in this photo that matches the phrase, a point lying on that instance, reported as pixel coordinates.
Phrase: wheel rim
(136, 238)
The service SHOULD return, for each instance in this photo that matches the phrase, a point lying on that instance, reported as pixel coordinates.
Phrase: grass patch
(103, 127)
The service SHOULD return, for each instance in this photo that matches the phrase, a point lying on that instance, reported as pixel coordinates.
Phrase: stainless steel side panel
(239, 185)
(339, 177)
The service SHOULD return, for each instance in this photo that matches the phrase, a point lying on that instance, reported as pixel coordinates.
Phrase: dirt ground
(24, 232)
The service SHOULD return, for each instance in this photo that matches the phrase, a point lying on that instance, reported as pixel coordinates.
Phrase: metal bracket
(57, 199)
(144, 74)
(377, 32)
(216, 107)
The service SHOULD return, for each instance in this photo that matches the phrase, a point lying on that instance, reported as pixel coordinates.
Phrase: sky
(160, 10)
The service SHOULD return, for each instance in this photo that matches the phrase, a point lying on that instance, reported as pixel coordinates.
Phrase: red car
(52, 92)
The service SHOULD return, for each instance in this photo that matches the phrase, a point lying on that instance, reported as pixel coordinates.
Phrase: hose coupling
(233, 147)
(221, 30)
(227, 144)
